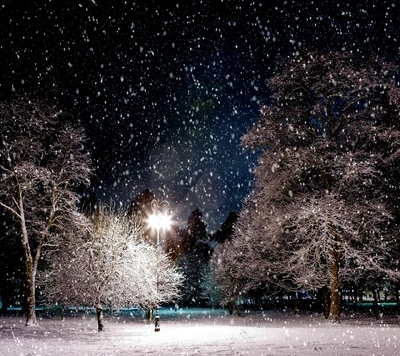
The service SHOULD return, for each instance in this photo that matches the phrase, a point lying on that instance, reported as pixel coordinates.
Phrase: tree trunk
(375, 304)
(62, 312)
(30, 295)
(334, 311)
(100, 320)
(238, 309)
(230, 307)
(149, 315)
(296, 303)
(30, 269)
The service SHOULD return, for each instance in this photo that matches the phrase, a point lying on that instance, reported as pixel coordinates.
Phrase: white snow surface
(202, 332)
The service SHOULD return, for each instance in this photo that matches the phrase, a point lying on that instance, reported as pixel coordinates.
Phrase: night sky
(165, 90)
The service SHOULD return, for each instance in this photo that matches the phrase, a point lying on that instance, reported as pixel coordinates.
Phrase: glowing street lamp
(160, 219)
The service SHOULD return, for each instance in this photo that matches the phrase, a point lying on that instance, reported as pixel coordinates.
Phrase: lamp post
(159, 219)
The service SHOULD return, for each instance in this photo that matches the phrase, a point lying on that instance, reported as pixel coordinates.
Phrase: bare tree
(320, 212)
(42, 161)
(111, 265)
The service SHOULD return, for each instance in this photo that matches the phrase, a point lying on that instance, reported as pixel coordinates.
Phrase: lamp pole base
(157, 322)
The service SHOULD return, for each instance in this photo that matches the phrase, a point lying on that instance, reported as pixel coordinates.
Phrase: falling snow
(114, 65)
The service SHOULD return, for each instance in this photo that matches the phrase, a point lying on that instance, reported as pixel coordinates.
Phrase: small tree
(42, 161)
(111, 265)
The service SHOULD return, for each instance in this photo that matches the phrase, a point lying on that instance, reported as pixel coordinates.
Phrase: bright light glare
(159, 221)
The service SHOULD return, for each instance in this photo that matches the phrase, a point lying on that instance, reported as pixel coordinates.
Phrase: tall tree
(320, 210)
(197, 231)
(42, 161)
(194, 258)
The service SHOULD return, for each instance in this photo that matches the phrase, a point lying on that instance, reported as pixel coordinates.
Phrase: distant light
(159, 221)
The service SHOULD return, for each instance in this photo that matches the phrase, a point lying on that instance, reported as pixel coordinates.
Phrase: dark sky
(166, 89)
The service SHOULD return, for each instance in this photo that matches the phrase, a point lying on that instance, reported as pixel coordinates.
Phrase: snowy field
(202, 332)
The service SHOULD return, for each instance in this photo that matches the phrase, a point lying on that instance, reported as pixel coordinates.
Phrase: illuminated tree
(42, 161)
(111, 265)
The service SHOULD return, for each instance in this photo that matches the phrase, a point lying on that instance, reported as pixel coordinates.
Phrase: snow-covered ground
(202, 332)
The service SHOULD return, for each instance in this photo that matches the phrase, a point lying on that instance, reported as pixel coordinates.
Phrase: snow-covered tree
(320, 212)
(110, 265)
(42, 161)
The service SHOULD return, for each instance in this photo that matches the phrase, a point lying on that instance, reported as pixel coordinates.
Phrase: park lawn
(202, 332)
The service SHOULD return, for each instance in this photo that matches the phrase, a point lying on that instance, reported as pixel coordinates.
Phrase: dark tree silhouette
(141, 206)
(194, 258)
(226, 231)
